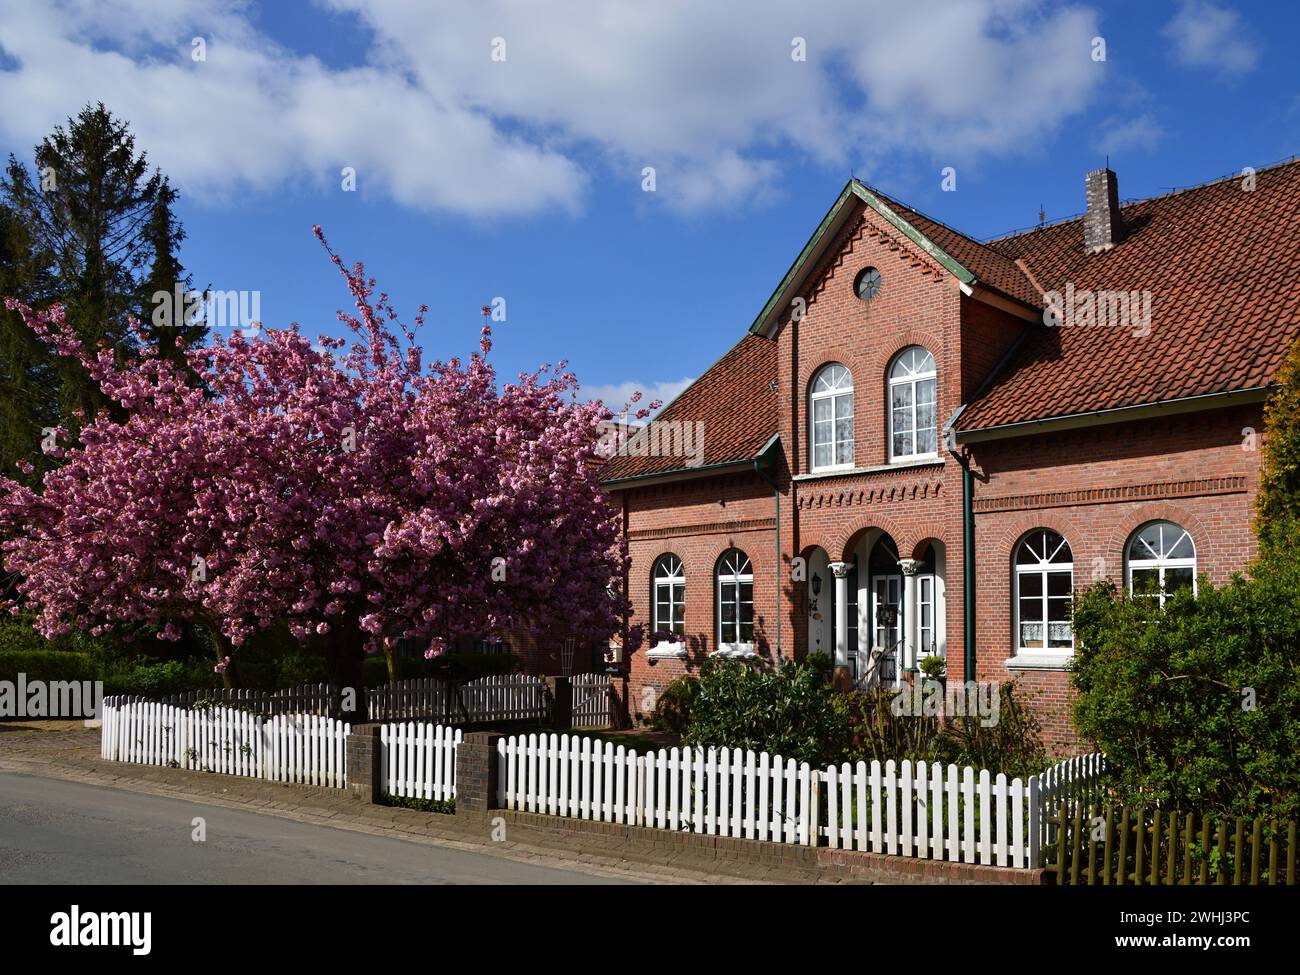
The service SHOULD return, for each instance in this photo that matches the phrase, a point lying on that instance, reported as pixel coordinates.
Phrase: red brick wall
(698, 520)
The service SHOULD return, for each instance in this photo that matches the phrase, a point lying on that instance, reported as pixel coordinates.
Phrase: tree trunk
(390, 654)
(341, 648)
(222, 649)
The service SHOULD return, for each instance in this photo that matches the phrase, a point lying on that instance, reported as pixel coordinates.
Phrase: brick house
(925, 444)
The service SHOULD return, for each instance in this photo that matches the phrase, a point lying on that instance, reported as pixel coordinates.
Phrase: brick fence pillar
(364, 754)
(561, 689)
(476, 773)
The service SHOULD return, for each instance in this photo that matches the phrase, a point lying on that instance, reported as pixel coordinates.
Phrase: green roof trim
(821, 235)
(918, 238)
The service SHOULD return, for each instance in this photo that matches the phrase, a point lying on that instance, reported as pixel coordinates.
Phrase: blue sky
(522, 177)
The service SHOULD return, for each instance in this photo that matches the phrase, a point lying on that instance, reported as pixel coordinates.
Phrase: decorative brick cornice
(858, 495)
(1234, 484)
(709, 528)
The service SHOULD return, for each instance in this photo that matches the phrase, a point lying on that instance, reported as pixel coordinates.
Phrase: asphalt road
(56, 832)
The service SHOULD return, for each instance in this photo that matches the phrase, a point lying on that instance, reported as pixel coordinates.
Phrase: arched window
(669, 595)
(735, 602)
(1160, 555)
(1044, 587)
(913, 427)
(830, 408)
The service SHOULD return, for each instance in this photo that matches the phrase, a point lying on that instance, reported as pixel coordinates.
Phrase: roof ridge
(1131, 201)
(921, 213)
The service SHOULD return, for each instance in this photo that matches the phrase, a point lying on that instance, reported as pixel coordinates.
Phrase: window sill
(1039, 661)
(666, 651)
(735, 653)
(898, 465)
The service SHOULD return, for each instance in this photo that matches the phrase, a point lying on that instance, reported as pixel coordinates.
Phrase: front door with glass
(887, 626)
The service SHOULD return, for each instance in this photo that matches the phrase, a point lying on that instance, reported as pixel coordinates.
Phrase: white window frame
(832, 394)
(734, 568)
(911, 380)
(1042, 569)
(1159, 561)
(927, 637)
(671, 579)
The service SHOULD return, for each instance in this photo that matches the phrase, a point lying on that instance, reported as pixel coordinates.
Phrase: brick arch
(925, 540)
(908, 338)
(1026, 523)
(718, 549)
(849, 539)
(806, 551)
(654, 560)
(1157, 511)
(842, 357)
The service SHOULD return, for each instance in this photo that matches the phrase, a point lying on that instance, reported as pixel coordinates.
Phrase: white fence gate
(419, 760)
(307, 749)
(591, 701)
(505, 697)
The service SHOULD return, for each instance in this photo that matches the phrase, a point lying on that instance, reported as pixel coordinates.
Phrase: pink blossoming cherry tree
(347, 488)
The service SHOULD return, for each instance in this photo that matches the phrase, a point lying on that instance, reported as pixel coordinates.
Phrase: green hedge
(48, 665)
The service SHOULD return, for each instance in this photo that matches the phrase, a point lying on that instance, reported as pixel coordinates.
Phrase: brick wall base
(748, 859)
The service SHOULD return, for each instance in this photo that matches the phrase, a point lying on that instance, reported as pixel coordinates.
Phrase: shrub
(877, 732)
(1013, 744)
(161, 679)
(17, 636)
(1198, 704)
(673, 710)
(789, 711)
(1277, 505)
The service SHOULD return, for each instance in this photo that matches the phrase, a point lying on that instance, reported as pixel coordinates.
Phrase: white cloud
(1116, 135)
(615, 395)
(1206, 35)
(589, 89)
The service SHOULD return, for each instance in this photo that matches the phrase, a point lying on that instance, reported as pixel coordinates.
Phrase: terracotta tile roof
(993, 268)
(736, 403)
(1223, 268)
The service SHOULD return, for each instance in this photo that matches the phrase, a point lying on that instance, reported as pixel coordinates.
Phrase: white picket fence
(419, 760)
(934, 813)
(714, 791)
(895, 808)
(306, 749)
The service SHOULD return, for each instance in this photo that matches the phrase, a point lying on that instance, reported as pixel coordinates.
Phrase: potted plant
(933, 667)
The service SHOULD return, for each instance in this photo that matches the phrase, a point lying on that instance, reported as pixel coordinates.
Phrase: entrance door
(887, 627)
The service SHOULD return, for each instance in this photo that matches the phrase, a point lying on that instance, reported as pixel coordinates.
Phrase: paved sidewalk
(73, 755)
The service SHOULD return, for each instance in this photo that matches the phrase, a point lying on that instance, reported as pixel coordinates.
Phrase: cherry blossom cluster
(324, 484)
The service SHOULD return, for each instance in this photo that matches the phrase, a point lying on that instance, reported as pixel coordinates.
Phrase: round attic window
(867, 284)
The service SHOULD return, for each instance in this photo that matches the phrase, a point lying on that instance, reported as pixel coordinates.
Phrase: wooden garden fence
(1096, 844)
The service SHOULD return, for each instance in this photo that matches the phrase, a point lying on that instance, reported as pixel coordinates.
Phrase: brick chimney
(1102, 228)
